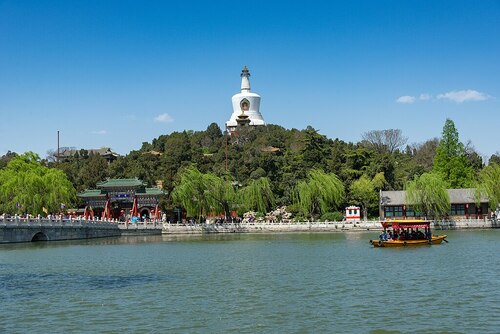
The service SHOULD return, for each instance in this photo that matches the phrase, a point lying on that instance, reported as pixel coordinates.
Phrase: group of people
(406, 234)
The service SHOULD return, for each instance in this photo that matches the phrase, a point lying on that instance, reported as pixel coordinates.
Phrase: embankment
(264, 227)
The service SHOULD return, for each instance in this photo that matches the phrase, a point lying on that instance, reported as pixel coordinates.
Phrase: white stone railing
(54, 221)
(147, 225)
(263, 226)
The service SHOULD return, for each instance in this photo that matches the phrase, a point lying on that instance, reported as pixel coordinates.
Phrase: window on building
(411, 212)
(393, 211)
(457, 210)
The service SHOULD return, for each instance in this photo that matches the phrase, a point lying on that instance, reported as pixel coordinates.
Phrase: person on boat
(384, 236)
(389, 235)
(428, 234)
(395, 235)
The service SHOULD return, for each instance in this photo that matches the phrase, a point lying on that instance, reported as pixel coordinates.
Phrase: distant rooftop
(115, 183)
(112, 185)
(100, 151)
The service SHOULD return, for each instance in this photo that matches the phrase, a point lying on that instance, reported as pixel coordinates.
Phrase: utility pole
(227, 135)
(57, 158)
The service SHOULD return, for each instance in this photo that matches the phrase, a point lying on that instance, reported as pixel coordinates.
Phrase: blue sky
(118, 73)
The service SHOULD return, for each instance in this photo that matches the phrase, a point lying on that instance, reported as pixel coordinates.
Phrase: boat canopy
(410, 223)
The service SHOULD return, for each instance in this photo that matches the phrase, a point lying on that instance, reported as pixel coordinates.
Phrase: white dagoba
(245, 103)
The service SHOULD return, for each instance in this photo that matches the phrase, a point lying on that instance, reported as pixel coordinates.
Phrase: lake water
(252, 283)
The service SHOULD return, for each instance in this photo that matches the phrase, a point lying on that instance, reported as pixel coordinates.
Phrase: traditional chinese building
(464, 205)
(104, 152)
(120, 198)
(246, 106)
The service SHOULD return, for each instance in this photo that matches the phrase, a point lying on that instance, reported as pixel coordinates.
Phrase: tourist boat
(407, 234)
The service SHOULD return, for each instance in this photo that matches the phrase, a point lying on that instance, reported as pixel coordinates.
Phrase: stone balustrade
(31, 228)
(53, 222)
(263, 227)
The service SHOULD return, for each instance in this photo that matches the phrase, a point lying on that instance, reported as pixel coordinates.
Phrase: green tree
(489, 184)
(495, 158)
(316, 149)
(257, 195)
(319, 193)
(201, 193)
(26, 186)
(92, 170)
(450, 161)
(363, 192)
(428, 194)
(222, 194)
(4, 160)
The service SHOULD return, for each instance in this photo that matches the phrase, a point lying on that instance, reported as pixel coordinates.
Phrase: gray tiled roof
(463, 196)
(393, 197)
(101, 151)
(457, 196)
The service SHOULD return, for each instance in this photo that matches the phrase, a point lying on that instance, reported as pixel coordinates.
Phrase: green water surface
(252, 283)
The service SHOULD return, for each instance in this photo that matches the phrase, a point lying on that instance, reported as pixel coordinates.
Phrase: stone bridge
(21, 229)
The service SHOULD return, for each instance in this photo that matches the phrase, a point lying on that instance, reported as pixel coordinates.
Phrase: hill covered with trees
(287, 159)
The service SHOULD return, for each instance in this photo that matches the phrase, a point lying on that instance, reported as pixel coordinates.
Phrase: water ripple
(288, 283)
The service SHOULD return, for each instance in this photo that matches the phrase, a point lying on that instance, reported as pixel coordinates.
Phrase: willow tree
(26, 186)
(428, 194)
(201, 194)
(222, 195)
(319, 193)
(257, 196)
(489, 184)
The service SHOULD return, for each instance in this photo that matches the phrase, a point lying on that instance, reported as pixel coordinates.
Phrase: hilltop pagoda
(246, 106)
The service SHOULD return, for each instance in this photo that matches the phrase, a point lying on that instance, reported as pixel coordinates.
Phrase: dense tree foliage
(450, 161)
(495, 158)
(489, 184)
(364, 192)
(27, 186)
(284, 158)
(319, 193)
(202, 194)
(256, 196)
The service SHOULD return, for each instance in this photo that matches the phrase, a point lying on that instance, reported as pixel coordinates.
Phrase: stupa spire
(245, 81)
(246, 105)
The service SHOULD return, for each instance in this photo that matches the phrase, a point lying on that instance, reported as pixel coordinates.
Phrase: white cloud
(460, 96)
(425, 97)
(100, 132)
(164, 118)
(406, 99)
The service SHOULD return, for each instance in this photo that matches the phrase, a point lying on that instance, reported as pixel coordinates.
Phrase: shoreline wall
(262, 227)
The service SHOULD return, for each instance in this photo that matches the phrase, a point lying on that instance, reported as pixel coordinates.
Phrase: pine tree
(450, 161)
